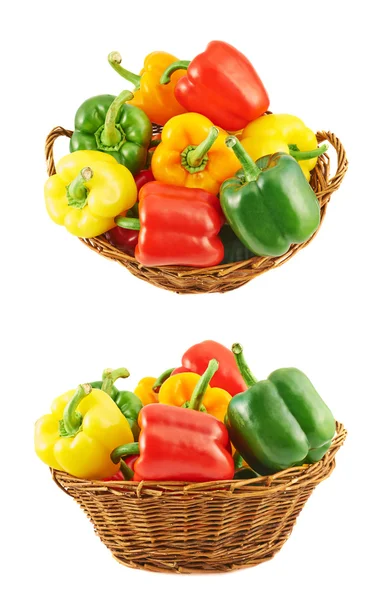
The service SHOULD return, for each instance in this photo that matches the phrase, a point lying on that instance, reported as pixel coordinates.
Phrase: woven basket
(198, 527)
(222, 278)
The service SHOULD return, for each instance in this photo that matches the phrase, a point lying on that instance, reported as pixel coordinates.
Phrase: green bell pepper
(106, 123)
(245, 473)
(235, 251)
(130, 405)
(269, 204)
(280, 422)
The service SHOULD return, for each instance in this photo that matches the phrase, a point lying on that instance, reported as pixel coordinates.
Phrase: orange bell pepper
(193, 154)
(178, 389)
(145, 392)
(156, 100)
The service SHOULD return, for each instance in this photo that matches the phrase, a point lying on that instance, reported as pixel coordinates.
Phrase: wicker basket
(202, 527)
(222, 278)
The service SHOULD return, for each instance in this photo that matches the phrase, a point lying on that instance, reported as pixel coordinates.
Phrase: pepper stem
(128, 223)
(109, 377)
(111, 136)
(126, 471)
(72, 420)
(195, 157)
(161, 379)
(242, 365)
(124, 450)
(77, 191)
(201, 387)
(252, 172)
(115, 59)
(175, 66)
(306, 154)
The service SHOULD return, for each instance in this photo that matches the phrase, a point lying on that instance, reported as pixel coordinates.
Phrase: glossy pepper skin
(235, 251)
(129, 404)
(279, 422)
(222, 84)
(227, 377)
(193, 154)
(282, 133)
(144, 391)
(156, 100)
(89, 189)
(177, 390)
(126, 239)
(106, 123)
(81, 431)
(181, 445)
(178, 226)
(269, 204)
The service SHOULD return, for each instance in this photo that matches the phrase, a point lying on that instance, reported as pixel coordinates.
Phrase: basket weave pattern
(198, 527)
(221, 278)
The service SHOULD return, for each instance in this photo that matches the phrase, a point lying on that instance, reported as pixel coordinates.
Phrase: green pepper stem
(110, 135)
(242, 365)
(72, 420)
(252, 172)
(126, 471)
(175, 66)
(128, 223)
(201, 387)
(110, 376)
(161, 379)
(307, 154)
(125, 450)
(196, 156)
(115, 59)
(77, 191)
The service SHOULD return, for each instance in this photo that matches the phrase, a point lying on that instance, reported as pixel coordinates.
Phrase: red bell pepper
(178, 226)
(126, 239)
(181, 444)
(222, 84)
(227, 377)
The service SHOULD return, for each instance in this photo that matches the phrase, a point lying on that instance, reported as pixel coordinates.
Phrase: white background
(68, 313)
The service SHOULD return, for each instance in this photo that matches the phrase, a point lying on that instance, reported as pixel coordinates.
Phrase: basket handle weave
(331, 185)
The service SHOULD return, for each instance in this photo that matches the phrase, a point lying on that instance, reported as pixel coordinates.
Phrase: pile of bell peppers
(207, 419)
(221, 183)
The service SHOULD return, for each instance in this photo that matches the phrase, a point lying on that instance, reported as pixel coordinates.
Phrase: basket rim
(327, 187)
(293, 477)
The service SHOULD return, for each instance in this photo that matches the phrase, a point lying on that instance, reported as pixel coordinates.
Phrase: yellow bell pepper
(282, 133)
(89, 190)
(178, 389)
(144, 391)
(81, 431)
(193, 154)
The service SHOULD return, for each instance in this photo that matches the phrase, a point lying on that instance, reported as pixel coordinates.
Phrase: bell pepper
(178, 390)
(222, 84)
(228, 377)
(282, 133)
(106, 123)
(179, 445)
(235, 251)
(144, 390)
(269, 204)
(88, 190)
(193, 154)
(156, 100)
(125, 472)
(81, 431)
(129, 404)
(126, 239)
(178, 226)
(279, 422)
